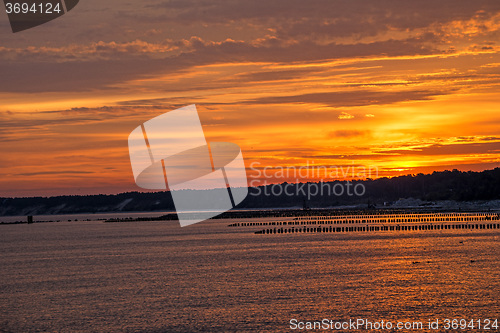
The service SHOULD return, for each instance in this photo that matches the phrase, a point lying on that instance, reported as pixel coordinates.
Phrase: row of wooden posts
(368, 228)
(413, 218)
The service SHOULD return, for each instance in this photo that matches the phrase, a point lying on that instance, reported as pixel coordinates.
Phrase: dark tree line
(446, 185)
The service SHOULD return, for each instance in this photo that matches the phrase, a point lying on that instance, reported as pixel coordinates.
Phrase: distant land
(452, 190)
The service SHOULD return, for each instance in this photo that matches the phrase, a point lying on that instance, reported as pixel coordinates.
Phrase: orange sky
(398, 86)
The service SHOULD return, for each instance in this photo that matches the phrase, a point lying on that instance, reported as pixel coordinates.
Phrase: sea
(83, 274)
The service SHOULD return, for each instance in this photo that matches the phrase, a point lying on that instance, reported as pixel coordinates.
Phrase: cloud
(272, 31)
(55, 173)
(345, 115)
(347, 133)
(96, 73)
(452, 149)
(337, 17)
(92, 51)
(350, 98)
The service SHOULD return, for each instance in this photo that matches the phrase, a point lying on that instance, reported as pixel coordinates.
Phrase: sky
(393, 86)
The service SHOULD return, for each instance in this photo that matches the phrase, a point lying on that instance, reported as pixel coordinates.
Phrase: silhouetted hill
(446, 185)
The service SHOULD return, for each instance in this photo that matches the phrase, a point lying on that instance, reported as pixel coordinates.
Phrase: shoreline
(108, 217)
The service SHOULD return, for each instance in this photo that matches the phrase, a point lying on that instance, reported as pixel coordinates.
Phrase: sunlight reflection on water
(158, 277)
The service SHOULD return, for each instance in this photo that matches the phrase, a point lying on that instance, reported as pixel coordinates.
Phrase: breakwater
(367, 223)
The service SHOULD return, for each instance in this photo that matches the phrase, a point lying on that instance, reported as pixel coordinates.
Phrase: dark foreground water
(158, 277)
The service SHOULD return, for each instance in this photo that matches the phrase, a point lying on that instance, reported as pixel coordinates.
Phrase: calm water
(158, 277)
